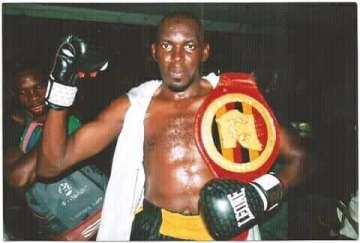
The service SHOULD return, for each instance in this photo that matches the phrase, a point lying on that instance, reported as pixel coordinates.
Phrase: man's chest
(166, 128)
(170, 122)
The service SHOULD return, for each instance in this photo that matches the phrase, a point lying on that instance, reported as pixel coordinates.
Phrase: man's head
(30, 90)
(179, 50)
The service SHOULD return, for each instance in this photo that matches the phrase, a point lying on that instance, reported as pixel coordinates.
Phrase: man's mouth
(176, 74)
(37, 107)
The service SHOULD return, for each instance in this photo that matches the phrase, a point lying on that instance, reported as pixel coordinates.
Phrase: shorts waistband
(188, 227)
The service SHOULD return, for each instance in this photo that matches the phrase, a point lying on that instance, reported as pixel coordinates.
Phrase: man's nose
(34, 94)
(177, 54)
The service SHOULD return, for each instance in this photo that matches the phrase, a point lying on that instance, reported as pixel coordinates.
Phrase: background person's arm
(20, 168)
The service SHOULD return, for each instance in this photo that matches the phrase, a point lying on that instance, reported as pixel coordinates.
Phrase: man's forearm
(20, 168)
(52, 148)
(73, 55)
(298, 161)
(295, 172)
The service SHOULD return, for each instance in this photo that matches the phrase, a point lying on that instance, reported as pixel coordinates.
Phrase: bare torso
(175, 171)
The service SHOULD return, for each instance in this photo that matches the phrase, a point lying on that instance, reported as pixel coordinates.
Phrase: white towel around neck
(125, 190)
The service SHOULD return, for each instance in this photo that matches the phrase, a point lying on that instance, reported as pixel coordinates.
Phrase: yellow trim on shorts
(138, 210)
(183, 226)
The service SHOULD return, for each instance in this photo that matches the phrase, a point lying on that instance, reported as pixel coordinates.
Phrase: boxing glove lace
(229, 207)
(73, 56)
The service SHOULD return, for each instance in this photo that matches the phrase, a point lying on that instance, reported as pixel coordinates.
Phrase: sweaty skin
(175, 171)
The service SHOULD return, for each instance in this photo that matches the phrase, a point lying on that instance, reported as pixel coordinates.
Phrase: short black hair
(32, 70)
(186, 15)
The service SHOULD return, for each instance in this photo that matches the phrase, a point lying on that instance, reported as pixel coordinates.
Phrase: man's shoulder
(12, 132)
(141, 95)
(120, 103)
(212, 78)
(144, 89)
(119, 106)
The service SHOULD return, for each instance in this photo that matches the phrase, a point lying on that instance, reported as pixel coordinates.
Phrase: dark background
(304, 56)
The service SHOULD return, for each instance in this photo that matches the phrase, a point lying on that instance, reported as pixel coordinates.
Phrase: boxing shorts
(154, 223)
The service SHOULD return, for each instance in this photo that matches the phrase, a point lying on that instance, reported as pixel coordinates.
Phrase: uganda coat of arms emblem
(236, 131)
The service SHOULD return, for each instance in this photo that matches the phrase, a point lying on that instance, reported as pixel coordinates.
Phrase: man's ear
(205, 52)
(153, 51)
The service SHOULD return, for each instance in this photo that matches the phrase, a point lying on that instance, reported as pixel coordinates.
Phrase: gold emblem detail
(235, 126)
(247, 137)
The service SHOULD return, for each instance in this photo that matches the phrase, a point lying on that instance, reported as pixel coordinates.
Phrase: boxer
(158, 173)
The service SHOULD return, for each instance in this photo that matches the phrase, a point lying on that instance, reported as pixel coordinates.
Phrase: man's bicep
(94, 136)
(291, 143)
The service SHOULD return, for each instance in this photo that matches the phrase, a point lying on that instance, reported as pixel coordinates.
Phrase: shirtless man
(174, 170)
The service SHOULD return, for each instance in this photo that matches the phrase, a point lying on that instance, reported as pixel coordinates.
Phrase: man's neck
(196, 89)
(40, 118)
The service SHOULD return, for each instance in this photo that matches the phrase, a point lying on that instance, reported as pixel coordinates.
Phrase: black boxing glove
(73, 56)
(230, 207)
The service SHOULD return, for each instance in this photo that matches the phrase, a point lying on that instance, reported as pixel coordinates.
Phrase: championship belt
(236, 131)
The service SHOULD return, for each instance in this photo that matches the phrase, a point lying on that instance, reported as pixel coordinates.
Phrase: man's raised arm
(58, 151)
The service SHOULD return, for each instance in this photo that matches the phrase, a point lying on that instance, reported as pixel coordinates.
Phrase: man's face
(179, 51)
(30, 92)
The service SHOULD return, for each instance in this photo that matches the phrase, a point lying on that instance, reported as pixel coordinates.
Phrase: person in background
(67, 207)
